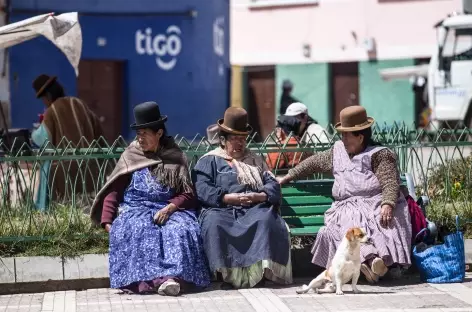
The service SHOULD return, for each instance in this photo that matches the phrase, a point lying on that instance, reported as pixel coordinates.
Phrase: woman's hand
(250, 199)
(386, 215)
(244, 199)
(163, 215)
(283, 180)
(232, 199)
(108, 227)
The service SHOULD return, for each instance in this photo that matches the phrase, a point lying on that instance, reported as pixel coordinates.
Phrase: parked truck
(446, 82)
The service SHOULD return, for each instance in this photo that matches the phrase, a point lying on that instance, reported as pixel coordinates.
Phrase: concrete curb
(40, 274)
(31, 274)
(47, 286)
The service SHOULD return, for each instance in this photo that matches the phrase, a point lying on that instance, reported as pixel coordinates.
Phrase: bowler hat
(147, 115)
(41, 84)
(212, 131)
(353, 118)
(235, 121)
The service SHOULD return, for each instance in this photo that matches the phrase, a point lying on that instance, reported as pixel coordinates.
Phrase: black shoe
(226, 286)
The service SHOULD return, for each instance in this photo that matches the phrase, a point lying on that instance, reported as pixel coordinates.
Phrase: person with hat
(148, 206)
(295, 128)
(245, 239)
(287, 134)
(66, 117)
(66, 122)
(286, 99)
(309, 131)
(366, 194)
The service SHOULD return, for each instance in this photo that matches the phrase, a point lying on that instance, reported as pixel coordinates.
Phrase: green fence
(439, 162)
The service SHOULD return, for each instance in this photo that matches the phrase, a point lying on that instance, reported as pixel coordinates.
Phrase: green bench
(305, 202)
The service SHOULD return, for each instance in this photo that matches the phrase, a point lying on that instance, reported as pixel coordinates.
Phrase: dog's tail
(315, 283)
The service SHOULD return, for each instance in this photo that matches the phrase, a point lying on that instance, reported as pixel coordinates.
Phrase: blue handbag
(443, 263)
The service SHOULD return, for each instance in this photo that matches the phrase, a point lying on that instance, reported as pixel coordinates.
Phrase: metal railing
(47, 191)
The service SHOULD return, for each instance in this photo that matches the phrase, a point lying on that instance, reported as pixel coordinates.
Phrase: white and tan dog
(345, 267)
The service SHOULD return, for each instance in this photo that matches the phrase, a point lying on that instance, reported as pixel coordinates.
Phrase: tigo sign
(166, 47)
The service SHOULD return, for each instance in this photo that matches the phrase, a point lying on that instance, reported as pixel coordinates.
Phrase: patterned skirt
(392, 244)
(142, 251)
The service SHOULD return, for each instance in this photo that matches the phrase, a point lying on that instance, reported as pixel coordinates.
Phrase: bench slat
(305, 221)
(299, 191)
(304, 210)
(306, 200)
(305, 231)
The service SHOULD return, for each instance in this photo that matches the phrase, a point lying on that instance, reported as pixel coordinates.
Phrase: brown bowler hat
(41, 83)
(353, 118)
(235, 121)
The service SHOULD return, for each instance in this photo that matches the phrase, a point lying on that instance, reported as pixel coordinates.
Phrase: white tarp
(405, 72)
(62, 30)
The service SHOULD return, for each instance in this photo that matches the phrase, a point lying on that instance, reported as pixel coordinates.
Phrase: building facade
(173, 52)
(332, 50)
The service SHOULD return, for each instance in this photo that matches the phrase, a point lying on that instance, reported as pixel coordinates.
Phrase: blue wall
(194, 93)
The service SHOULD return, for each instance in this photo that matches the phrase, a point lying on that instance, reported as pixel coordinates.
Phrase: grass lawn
(60, 231)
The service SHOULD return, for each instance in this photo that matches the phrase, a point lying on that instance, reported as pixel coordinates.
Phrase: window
(457, 47)
(278, 3)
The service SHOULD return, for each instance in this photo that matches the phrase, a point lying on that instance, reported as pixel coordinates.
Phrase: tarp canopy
(62, 30)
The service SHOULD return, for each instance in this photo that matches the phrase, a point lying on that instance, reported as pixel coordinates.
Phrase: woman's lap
(392, 243)
(225, 217)
(240, 239)
(219, 220)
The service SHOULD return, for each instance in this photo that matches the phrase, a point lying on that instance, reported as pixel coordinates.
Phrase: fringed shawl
(170, 169)
(250, 167)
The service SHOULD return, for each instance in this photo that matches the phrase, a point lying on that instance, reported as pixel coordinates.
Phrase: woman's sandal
(370, 276)
(378, 267)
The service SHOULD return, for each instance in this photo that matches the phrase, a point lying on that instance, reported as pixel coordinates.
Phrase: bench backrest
(305, 202)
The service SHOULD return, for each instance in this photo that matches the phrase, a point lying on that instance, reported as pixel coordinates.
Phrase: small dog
(346, 266)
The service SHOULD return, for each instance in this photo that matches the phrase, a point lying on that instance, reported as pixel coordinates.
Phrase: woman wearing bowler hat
(148, 208)
(67, 121)
(245, 239)
(367, 194)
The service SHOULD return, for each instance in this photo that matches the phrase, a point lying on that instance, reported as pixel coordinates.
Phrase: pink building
(332, 51)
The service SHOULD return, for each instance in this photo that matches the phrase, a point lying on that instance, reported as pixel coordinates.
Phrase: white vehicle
(447, 79)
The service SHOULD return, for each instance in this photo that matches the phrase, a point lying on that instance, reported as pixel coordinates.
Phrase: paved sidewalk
(413, 297)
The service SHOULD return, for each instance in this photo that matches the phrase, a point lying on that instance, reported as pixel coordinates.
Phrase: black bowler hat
(42, 83)
(147, 115)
